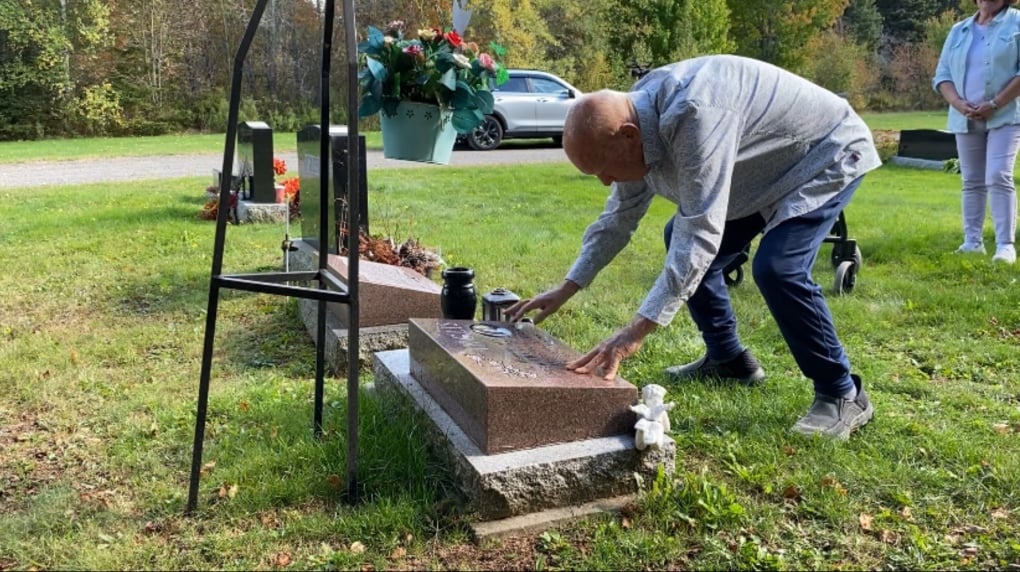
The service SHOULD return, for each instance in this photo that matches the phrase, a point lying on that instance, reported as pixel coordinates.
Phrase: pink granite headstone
(388, 294)
(506, 385)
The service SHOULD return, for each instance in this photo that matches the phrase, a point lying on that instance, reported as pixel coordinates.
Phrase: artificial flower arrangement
(435, 67)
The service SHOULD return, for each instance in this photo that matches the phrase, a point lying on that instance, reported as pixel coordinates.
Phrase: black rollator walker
(846, 260)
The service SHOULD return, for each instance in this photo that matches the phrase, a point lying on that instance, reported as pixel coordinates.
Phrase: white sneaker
(1005, 253)
(969, 247)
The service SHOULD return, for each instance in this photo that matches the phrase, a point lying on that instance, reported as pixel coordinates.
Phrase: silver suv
(530, 105)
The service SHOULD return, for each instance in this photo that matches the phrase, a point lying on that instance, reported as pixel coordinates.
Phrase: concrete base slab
(928, 164)
(248, 211)
(370, 340)
(526, 481)
(540, 521)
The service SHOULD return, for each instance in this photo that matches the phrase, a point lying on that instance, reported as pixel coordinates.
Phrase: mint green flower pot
(418, 132)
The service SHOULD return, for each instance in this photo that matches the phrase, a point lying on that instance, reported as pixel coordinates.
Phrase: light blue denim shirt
(1001, 67)
(725, 137)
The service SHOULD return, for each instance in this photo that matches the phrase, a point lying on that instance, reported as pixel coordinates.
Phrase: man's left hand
(614, 349)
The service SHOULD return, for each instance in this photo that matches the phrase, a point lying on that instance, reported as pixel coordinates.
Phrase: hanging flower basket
(418, 132)
(427, 88)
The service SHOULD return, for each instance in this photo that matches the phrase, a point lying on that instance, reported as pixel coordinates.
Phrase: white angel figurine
(654, 417)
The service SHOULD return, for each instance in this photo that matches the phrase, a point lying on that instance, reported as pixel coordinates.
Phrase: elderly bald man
(742, 148)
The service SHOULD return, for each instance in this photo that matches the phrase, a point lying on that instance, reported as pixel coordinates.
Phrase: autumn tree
(777, 31)
(517, 26)
(905, 19)
(863, 23)
(33, 69)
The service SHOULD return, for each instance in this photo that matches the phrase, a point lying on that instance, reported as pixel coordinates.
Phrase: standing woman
(978, 74)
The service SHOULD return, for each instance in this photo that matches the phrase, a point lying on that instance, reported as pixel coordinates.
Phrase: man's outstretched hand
(547, 302)
(614, 349)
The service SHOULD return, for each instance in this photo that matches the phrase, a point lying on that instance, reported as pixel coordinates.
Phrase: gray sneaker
(836, 417)
(743, 369)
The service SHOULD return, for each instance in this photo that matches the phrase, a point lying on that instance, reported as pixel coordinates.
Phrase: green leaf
(374, 44)
(465, 120)
(389, 106)
(463, 98)
(445, 63)
(449, 79)
(369, 106)
(484, 101)
(377, 69)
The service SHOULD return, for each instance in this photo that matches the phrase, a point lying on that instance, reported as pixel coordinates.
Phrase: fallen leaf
(865, 521)
(269, 520)
(409, 538)
(625, 523)
(367, 567)
(791, 493)
(357, 547)
(828, 481)
(335, 482)
(398, 553)
(282, 559)
(905, 512)
(244, 406)
(1001, 428)
(207, 468)
(152, 527)
(232, 491)
(889, 537)
(789, 451)
(1000, 513)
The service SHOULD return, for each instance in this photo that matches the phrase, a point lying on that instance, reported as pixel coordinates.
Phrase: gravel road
(113, 169)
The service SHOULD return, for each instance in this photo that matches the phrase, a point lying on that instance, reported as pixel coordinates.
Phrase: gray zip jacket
(725, 137)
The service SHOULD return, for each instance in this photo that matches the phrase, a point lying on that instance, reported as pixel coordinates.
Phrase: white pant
(986, 167)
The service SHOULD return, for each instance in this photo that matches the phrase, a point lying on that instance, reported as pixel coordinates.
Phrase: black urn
(458, 297)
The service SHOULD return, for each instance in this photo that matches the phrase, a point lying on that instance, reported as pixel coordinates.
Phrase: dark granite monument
(930, 144)
(255, 156)
(308, 148)
(506, 386)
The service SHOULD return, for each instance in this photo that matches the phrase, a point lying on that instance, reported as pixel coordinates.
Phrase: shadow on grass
(261, 439)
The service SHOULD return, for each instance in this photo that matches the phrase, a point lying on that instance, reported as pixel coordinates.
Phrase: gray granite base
(915, 163)
(523, 482)
(248, 211)
(370, 340)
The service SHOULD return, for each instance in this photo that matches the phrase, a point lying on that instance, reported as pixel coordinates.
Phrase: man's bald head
(601, 131)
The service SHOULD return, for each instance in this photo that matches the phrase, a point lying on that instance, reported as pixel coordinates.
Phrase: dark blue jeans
(782, 271)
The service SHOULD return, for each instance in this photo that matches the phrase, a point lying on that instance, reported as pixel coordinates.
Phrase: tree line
(146, 67)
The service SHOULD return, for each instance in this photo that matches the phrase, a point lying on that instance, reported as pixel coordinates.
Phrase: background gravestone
(928, 144)
(255, 156)
(308, 147)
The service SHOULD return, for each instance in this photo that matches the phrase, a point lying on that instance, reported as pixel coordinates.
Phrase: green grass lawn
(63, 149)
(102, 315)
(897, 121)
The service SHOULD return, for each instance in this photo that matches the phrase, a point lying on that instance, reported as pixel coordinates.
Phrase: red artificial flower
(453, 38)
(291, 187)
(279, 167)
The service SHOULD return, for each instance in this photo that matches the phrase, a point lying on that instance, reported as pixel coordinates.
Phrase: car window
(542, 85)
(515, 84)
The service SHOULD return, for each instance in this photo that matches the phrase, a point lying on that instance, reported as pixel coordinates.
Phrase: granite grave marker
(507, 388)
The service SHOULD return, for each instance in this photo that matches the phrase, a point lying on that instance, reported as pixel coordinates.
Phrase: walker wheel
(846, 277)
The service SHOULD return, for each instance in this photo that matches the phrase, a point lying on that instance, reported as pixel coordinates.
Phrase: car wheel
(558, 140)
(486, 136)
